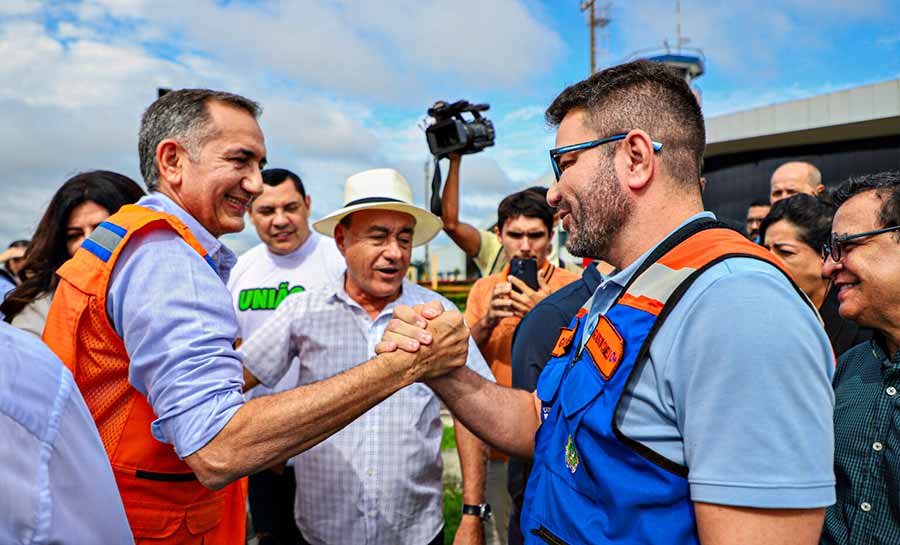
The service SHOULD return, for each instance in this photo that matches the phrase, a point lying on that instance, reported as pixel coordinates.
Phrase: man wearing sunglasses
(863, 259)
(690, 400)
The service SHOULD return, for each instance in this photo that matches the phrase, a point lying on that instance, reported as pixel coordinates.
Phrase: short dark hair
(525, 203)
(276, 176)
(759, 202)
(810, 215)
(886, 186)
(642, 95)
(539, 189)
(184, 116)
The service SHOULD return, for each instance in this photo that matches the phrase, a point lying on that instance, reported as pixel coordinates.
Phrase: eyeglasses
(556, 152)
(835, 244)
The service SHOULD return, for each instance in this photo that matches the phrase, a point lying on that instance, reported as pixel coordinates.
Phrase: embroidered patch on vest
(571, 455)
(563, 342)
(606, 347)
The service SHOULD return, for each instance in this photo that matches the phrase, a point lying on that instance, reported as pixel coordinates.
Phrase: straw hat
(382, 189)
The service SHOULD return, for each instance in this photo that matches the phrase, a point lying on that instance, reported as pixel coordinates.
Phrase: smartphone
(525, 270)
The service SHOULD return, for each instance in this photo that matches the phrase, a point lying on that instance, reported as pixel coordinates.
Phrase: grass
(448, 439)
(452, 511)
(452, 492)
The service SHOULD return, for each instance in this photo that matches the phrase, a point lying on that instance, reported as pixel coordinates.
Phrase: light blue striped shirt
(57, 483)
(174, 314)
(378, 480)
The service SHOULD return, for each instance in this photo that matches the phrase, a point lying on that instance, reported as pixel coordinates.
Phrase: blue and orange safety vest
(590, 483)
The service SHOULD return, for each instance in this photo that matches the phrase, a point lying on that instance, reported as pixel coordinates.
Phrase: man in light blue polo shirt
(690, 401)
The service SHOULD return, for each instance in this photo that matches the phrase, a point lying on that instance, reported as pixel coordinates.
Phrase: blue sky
(344, 83)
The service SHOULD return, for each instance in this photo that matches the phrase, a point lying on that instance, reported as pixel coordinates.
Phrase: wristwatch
(482, 511)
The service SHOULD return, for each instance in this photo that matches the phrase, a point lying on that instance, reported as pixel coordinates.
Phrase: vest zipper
(547, 536)
(577, 357)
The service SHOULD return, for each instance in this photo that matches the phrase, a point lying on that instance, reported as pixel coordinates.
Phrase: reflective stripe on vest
(107, 236)
(590, 483)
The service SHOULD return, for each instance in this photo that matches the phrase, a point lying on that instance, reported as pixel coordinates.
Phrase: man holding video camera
(498, 302)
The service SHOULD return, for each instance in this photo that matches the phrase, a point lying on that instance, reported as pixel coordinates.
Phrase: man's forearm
(273, 428)
(471, 462)
(481, 332)
(502, 417)
(464, 235)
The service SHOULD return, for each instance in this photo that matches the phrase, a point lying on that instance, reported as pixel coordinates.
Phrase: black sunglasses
(833, 248)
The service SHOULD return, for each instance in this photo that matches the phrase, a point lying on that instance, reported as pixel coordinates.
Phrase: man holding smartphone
(498, 302)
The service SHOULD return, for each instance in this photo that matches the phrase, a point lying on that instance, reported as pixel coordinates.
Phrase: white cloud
(527, 113)
(486, 45)
(361, 49)
(16, 8)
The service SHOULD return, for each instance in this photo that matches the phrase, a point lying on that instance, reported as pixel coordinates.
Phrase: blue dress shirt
(57, 483)
(174, 314)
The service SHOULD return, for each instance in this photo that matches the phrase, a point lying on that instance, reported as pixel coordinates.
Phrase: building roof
(861, 112)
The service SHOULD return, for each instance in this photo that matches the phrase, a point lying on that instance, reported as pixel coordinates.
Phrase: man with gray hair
(795, 177)
(143, 319)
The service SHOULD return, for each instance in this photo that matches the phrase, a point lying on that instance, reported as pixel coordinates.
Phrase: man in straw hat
(379, 479)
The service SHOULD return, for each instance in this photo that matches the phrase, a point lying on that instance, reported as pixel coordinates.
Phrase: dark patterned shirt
(867, 449)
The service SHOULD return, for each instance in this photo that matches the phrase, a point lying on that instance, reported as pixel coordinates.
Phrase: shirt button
(891, 390)
(372, 471)
(876, 446)
(865, 506)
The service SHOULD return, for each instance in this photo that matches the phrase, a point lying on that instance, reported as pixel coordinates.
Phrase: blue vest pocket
(581, 387)
(551, 377)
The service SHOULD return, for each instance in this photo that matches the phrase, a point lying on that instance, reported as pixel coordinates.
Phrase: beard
(597, 215)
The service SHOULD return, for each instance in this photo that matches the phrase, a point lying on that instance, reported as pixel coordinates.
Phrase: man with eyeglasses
(690, 401)
(863, 259)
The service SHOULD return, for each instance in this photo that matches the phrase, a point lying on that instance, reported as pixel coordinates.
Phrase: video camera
(452, 133)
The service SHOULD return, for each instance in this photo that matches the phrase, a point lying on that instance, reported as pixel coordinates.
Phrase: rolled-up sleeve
(175, 316)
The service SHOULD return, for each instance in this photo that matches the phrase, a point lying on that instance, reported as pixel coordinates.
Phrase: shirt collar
(879, 350)
(623, 277)
(337, 291)
(223, 257)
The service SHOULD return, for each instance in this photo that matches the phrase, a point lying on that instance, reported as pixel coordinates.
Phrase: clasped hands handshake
(438, 339)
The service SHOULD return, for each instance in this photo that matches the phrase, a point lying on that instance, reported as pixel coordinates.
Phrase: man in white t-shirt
(290, 259)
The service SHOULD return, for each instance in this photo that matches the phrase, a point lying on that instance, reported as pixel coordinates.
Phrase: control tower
(687, 61)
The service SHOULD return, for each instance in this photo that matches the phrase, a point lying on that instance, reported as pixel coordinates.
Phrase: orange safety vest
(163, 499)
